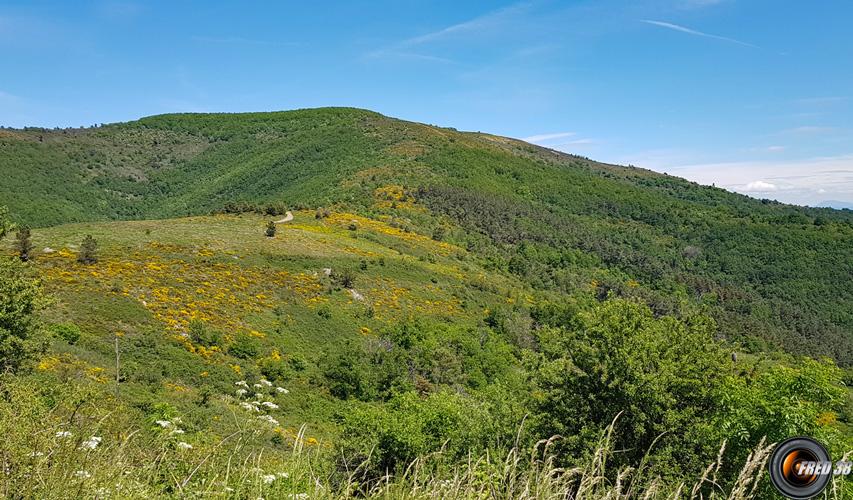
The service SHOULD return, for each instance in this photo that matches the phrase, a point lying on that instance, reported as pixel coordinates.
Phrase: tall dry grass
(144, 464)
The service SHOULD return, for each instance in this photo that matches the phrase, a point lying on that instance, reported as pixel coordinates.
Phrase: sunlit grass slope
(269, 303)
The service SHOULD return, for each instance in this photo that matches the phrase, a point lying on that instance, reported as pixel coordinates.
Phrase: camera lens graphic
(790, 472)
(791, 467)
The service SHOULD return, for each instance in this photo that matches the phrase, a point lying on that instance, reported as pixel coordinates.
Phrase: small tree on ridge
(88, 250)
(23, 243)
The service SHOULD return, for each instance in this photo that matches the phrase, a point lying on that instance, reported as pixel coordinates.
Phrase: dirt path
(288, 216)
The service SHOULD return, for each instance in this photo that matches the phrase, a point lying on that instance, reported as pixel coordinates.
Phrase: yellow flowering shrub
(178, 291)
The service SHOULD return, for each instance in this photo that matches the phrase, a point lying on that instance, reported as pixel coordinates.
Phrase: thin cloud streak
(474, 25)
(416, 56)
(5, 96)
(547, 137)
(689, 31)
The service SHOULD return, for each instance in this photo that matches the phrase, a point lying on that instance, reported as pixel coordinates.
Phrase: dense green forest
(440, 305)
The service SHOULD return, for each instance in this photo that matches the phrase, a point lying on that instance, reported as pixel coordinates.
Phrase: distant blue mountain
(836, 204)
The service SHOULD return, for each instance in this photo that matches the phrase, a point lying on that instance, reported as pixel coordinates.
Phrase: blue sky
(752, 95)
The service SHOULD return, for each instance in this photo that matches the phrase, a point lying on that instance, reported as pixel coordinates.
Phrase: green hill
(770, 274)
(439, 304)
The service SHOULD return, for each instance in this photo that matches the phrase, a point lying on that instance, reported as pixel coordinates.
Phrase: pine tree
(23, 243)
(270, 231)
(88, 250)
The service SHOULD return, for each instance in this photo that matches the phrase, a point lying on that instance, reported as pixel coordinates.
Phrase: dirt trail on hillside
(288, 216)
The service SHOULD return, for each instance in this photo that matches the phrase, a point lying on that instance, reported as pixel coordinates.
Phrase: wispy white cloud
(690, 31)
(400, 54)
(477, 25)
(805, 182)
(759, 187)
(7, 97)
(767, 149)
(576, 142)
(547, 137)
(551, 140)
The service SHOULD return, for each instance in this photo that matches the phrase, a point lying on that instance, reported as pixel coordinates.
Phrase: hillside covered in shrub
(772, 276)
(334, 303)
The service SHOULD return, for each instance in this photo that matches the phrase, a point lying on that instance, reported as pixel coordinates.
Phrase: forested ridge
(332, 303)
(773, 275)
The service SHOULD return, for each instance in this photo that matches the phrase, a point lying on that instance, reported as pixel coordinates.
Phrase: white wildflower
(63, 434)
(257, 386)
(163, 423)
(36, 454)
(177, 431)
(299, 496)
(185, 446)
(241, 392)
(259, 396)
(270, 405)
(91, 443)
(268, 478)
(266, 382)
(242, 383)
(283, 475)
(268, 419)
(249, 406)
(82, 474)
(281, 390)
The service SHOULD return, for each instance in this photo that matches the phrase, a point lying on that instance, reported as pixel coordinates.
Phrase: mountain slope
(770, 274)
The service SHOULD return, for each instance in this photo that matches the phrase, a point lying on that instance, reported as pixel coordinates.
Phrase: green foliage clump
(270, 230)
(244, 347)
(202, 333)
(21, 335)
(386, 439)
(6, 224)
(23, 243)
(88, 250)
(662, 375)
(671, 389)
(344, 277)
(418, 355)
(21, 338)
(68, 332)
